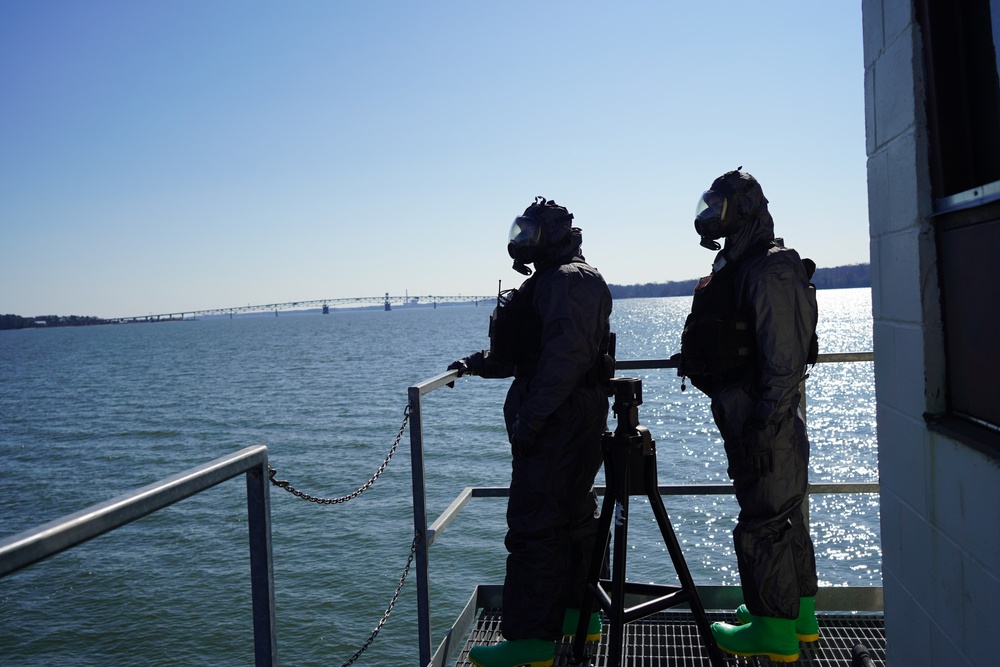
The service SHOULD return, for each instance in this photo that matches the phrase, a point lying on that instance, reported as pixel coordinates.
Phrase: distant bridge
(325, 305)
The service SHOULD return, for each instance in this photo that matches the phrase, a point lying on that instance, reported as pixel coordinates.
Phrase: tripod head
(628, 433)
(628, 398)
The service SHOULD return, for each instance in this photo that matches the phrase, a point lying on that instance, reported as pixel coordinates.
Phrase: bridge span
(324, 305)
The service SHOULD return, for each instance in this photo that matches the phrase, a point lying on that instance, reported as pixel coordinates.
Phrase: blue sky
(163, 156)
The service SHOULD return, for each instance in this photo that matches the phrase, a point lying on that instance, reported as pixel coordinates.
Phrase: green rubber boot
(806, 625)
(572, 618)
(515, 653)
(765, 635)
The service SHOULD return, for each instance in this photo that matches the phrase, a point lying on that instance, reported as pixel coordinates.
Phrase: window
(963, 119)
(963, 92)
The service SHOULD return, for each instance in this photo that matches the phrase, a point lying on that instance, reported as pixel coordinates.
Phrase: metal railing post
(805, 498)
(46, 540)
(265, 635)
(420, 526)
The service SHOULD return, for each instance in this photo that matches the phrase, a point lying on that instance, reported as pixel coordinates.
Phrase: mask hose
(521, 268)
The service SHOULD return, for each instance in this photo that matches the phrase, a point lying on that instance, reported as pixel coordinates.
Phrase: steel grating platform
(670, 639)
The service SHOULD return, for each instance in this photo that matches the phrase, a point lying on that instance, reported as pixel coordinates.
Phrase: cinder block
(891, 529)
(910, 373)
(964, 498)
(934, 362)
(898, 19)
(918, 565)
(872, 20)
(902, 183)
(895, 101)
(982, 589)
(883, 344)
(878, 193)
(873, 250)
(903, 461)
(945, 584)
(944, 651)
(907, 628)
(899, 272)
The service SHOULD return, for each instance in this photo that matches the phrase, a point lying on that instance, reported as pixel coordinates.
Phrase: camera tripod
(630, 469)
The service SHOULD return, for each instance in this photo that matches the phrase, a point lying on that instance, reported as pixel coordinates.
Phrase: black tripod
(630, 469)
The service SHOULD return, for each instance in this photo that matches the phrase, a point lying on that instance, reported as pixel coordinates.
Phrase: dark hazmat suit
(555, 412)
(760, 304)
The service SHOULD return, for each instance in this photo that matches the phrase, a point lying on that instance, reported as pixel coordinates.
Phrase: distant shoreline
(839, 277)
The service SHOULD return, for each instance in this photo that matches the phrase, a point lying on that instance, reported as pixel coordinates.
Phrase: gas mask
(714, 218)
(720, 209)
(542, 226)
(523, 242)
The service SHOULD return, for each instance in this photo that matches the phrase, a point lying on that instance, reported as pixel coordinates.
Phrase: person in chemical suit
(747, 344)
(552, 336)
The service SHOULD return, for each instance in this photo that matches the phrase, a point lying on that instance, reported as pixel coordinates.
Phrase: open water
(89, 413)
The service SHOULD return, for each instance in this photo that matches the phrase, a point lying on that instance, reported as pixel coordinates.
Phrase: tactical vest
(516, 335)
(717, 339)
(719, 342)
(515, 326)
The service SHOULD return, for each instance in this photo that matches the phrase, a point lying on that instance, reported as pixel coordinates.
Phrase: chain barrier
(392, 603)
(271, 472)
(283, 483)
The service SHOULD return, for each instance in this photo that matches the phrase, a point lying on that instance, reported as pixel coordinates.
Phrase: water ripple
(93, 412)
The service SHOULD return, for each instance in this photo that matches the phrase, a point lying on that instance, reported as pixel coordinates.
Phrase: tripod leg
(680, 565)
(617, 615)
(618, 477)
(600, 551)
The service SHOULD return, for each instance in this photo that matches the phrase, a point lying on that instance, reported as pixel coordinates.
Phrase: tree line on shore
(838, 277)
(18, 322)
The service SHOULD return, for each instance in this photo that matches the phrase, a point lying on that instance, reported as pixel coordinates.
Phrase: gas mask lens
(711, 206)
(710, 218)
(525, 232)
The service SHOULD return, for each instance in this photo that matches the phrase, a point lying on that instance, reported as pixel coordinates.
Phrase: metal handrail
(36, 544)
(425, 535)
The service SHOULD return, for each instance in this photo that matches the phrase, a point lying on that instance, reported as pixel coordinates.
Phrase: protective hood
(538, 233)
(563, 253)
(735, 209)
(757, 231)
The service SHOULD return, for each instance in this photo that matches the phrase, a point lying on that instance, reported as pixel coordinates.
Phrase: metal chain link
(271, 472)
(392, 603)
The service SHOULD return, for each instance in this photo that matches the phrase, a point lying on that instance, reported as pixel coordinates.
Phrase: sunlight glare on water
(93, 412)
(841, 423)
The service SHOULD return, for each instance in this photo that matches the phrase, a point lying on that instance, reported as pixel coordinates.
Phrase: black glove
(459, 366)
(522, 438)
(470, 365)
(758, 449)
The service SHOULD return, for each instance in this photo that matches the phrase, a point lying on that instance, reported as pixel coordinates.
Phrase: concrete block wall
(940, 500)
